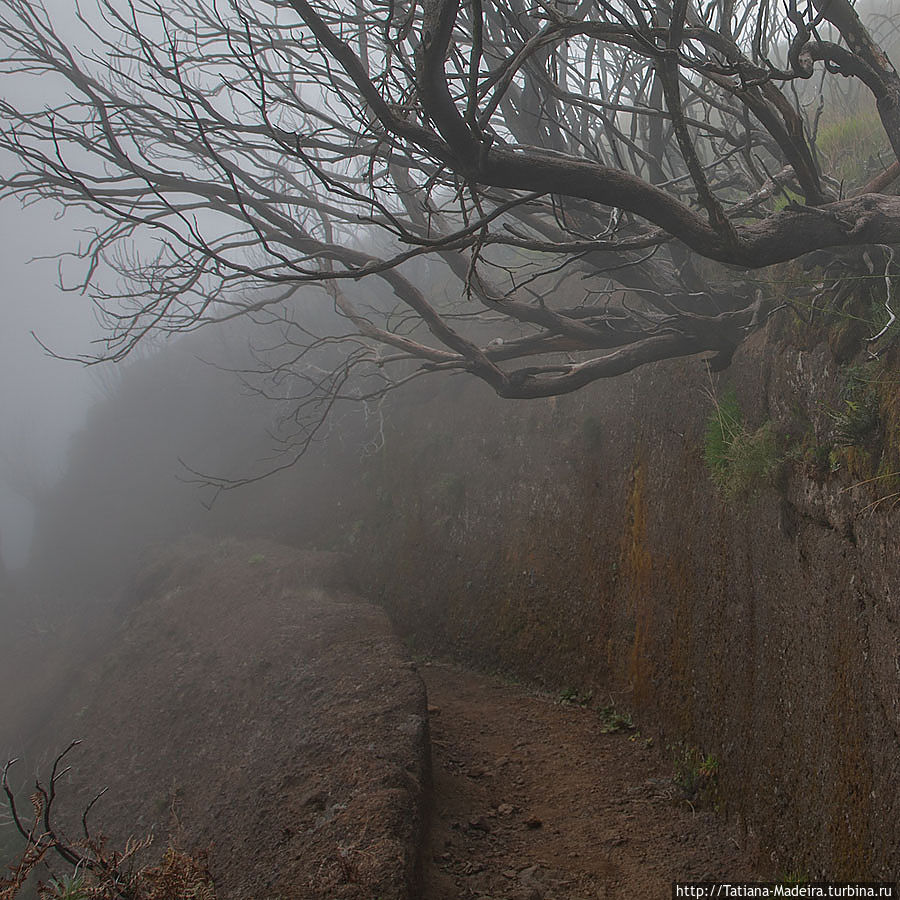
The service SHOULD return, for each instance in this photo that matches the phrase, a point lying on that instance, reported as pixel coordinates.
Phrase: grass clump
(866, 429)
(696, 774)
(793, 877)
(612, 721)
(852, 147)
(721, 427)
(857, 421)
(740, 461)
(856, 425)
(69, 887)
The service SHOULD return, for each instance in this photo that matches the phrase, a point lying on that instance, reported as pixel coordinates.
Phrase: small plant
(573, 697)
(834, 459)
(860, 417)
(69, 887)
(257, 559)
(696, 774)
(739, 460)
(612, 721)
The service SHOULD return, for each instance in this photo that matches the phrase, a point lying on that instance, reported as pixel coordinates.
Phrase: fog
(42, 400)
(554, 529)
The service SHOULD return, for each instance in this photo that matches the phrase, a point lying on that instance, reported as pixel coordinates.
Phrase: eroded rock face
(590, 549)
(246, 708)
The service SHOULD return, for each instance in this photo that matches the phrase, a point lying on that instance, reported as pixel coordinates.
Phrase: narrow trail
(533, 801)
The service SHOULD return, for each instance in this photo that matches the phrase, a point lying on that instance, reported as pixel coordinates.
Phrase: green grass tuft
(852, 147)
(740, 461)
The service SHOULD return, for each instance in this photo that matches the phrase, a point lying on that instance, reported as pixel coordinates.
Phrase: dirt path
(533, 801)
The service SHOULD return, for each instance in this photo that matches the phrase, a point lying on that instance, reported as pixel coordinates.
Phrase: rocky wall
(580, 542)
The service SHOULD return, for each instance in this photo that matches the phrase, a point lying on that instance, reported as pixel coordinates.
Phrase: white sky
(42, 400)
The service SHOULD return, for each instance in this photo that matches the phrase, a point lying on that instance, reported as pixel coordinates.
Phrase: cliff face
(580, 542)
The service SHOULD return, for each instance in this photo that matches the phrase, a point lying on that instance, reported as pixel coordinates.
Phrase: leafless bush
(91, 869)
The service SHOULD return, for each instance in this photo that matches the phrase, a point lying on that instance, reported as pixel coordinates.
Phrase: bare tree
(540, 194)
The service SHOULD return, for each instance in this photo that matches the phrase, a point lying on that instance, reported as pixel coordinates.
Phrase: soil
(534, 800)
(246, 704)
(248, 707)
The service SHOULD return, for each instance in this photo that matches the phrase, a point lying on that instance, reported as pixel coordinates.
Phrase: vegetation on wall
(740, 460)
(866, 428)
(858, 419)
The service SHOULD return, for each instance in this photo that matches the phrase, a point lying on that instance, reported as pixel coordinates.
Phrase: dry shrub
(93, 871)
(178, 876)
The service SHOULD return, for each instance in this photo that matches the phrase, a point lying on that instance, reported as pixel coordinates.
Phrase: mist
(42, 400)
(442, 536)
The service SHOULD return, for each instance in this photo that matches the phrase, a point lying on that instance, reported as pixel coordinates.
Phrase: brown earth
(537, 800)
(249, 705)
